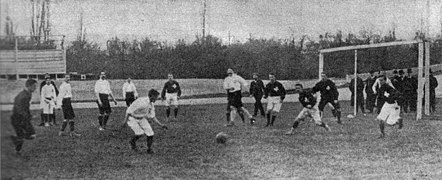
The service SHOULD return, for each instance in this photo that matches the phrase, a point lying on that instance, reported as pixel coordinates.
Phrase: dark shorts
(325, 100)
(105, 107)
(234, 99)
(68, 111)
(23, 127)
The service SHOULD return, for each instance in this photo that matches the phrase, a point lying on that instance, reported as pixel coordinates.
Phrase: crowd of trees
(209, 58)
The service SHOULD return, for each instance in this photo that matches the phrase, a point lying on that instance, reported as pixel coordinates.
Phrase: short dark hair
(153, 93)
(395, 72)
(299, 85)
(30, 82)
(371, 72)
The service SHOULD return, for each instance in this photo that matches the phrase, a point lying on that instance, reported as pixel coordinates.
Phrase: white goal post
(422, 81)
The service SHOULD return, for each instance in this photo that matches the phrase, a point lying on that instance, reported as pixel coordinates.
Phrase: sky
(170, 20)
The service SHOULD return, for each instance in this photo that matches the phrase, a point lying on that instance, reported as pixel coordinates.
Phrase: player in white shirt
(234, 83)
(47, 101)
(136, 117)
(64, 99)
(102, 92)
(129, 92)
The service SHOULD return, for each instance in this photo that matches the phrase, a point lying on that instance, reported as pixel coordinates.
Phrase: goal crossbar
(366, 46)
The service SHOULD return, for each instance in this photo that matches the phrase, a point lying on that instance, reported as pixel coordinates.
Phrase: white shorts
(312, 113)
(171, 99)
(48, 107)
(140, 126)
(390, 113)
(274, 103)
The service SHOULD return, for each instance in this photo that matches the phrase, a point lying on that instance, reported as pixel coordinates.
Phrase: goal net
(381, 57)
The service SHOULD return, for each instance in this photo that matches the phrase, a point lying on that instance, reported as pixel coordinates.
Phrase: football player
(308, 101)
(171, 93)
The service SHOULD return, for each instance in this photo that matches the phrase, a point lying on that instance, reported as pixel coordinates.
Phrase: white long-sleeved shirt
(102, 87)
(48, 91)
(235, 81)
(142, 107)
(129, 87)
(378, 85)
(65, 92)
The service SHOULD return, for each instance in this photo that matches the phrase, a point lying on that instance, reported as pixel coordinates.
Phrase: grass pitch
(188, 150)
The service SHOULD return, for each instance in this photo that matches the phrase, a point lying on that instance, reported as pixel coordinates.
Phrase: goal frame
(423, 68)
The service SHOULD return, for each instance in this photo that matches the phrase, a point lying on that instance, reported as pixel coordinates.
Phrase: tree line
(209, 58)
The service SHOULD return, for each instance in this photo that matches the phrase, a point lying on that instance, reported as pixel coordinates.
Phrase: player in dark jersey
(308, 101)
(21, 116)
(329, 94)
(275, 93)
(171, 93)
(390, 112)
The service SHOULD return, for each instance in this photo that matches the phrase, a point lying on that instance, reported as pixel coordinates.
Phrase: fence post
(16, 58)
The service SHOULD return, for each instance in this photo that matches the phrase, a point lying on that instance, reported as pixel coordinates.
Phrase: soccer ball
(350, 116)
(221, 138)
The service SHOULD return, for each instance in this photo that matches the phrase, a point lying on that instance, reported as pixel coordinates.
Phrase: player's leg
(18, 140)
(64, 124)
(100, 115)
(382, 117)
(168, 102)
(361, 102)
(72, 128)
(228, 109)
(256, 107)
(314, 113)
(432, 102)
(337, 111)
(321, 107)
(175, 104)
(301, 116)
(46, 114)
(42, 118)
(149, 133)
(107, 111)
(65, 116)
(51, 114)
(270, 105)
(138, 132)
(233, 112)
(382, 128)
(276, 109)
(261, 107)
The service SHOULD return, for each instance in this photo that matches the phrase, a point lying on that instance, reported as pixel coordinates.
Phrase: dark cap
(409, 70)
(401, 71)
(395, 72)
